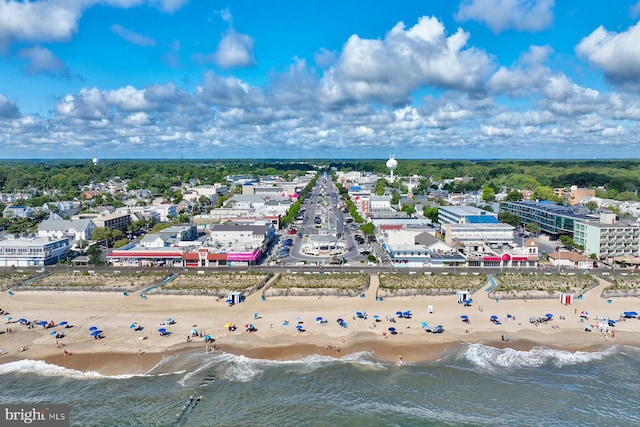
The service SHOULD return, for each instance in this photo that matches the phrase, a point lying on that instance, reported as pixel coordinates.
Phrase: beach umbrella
(162, 330)
(255, 315)
(392, 329)
(399, 313)
(340, 320)
(133, 325)
(229, 301)
(22, 320)
(228, 325)
(494, 318)
(628, 313)
(43, 323)
(464, 317)
(424, 324)
(548, 315)
(406, 314)
(611, 322)
(319, 319)
(376, 317)
(194, 331)
(9, 318)
(63, 323)
(53, 333)
(299, 327)
(96, 333)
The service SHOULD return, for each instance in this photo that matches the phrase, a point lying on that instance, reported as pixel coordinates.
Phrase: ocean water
(472, 385)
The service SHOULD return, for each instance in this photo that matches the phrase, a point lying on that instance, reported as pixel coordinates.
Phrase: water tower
(392, 164)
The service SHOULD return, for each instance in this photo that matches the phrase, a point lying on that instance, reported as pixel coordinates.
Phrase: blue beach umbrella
(406, 314)
(392, 329)
(162, 330)
(464, 317)
(53, 333)
(299, 327)
(399, 313)
(494, 317)
(548, 315)
(22, 320)
(96, 333)
(340, 320)
(43, 323)
(63, 323)
(133, 326)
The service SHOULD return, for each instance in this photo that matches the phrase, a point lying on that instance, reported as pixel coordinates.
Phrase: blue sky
(468, 79)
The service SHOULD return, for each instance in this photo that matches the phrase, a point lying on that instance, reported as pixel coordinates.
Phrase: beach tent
(235, 297)
(462, 296)
(430, 309)
(566, 299)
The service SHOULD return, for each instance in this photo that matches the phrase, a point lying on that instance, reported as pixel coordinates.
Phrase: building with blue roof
(552, 218)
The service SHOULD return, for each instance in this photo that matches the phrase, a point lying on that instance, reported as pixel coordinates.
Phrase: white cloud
(617, 54)
(42, 60)
(526, 75)
(234, 50)
(46, 20)
(56, 20)
(132, 37)
(8, 109)
(501, 15)
(389, 70)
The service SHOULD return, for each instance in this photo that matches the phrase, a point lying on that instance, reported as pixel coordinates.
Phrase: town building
(74, 229)
(15, 211)
(32, 252)
(608, 239)
(465, 215)
(478, 237)
(552, 219)
(113, 221)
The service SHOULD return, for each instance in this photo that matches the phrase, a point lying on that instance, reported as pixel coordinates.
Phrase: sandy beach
(124, 350)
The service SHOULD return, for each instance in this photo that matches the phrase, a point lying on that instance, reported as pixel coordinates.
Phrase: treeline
(614, 175)
(67, 176)
(158, 176)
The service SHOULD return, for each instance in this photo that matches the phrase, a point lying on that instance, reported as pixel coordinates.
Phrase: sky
(211, 79)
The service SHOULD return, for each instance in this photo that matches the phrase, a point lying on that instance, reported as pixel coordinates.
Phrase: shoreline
(275, 339)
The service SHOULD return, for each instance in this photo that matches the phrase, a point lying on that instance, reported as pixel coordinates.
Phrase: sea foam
(491, 357)
(40, 367)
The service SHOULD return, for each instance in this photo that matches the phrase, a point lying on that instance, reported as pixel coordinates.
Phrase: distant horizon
(459, 79)
(294, 159)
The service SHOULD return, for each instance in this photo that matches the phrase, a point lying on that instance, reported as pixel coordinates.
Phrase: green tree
(431, 213)
(368, 228)
(532, 227)
(592, 205)
(543, 192)
(488, 194)
(513, 196)
(95, 255)
(509, 218)
(409, 209)
(121, 242)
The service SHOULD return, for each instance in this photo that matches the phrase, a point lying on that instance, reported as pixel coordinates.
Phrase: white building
(608, 239)
(476, 237)
(32, 252)
(74, 229)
